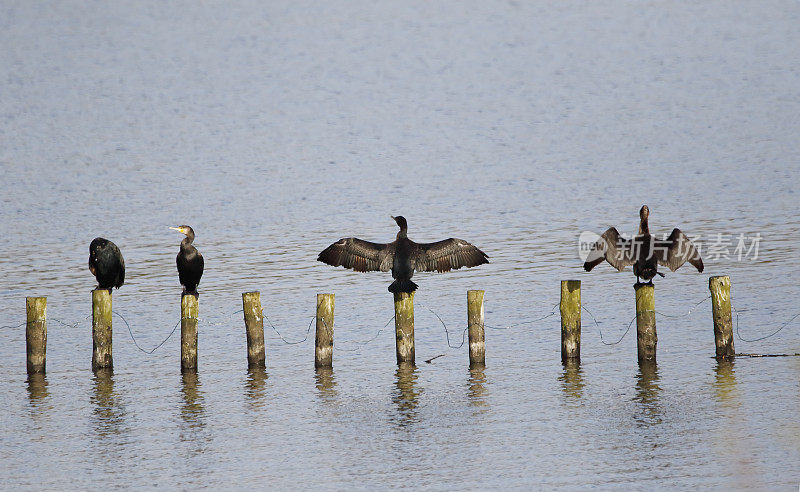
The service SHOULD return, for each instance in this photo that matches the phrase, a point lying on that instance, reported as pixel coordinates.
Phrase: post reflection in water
(406, 395)
(572, 380)
(108, 412)
(192, 411)
(37, 388)
(648, 392)
(325, 382)
(476, 386)
(731, 439)
(255, 385)
(193, 414)
(725, 383)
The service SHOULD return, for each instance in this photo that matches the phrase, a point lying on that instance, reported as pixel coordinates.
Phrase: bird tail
(404, 285)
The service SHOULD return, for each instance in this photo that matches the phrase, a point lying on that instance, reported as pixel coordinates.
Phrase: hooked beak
(176, 229)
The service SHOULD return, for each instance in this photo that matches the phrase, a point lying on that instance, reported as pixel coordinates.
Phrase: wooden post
(254, 326)
(646, 337)
(36, 333)
(477, 341)
(323, 351)
(101, 330)
(721, 308)
(404, 326)
(570, 320)
(189, 315)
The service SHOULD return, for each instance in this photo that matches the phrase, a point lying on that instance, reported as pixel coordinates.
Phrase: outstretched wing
(361, 256)
(443, 256)
(613, 248)
(676, 250)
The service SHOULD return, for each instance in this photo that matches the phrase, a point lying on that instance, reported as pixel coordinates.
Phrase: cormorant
(106, 264)
(644, 252)
(402, 256)
(190, 262)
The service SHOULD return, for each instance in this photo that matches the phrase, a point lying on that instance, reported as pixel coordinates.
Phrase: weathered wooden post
(323, 351)
(721, 309)
(570, 320)
(102, 357)
(475, 328)
(36, 333)
(646, 337)
(189, 315)
(404, 326)
(254, 326)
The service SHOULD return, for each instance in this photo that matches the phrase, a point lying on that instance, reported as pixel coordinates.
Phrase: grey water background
(275, 128)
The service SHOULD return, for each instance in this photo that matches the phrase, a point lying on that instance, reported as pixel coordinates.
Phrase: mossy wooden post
(721, 309)
(254, 326)
(404, 326)
(323, 351)
(477, 341)
(36, 333)
(570, 320)
(102, 357)
(646, 337)
(189, 315)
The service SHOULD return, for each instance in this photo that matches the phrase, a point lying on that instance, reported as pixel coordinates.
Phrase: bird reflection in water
(648, 391)
(572, 381)
(406, 396)
(108, 413)
(476, 386)
(325, 383)
(255, 385)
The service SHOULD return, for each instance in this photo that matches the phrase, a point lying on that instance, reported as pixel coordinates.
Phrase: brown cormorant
(190, 262)
(106, 264)
(644, 252)
(402, 256)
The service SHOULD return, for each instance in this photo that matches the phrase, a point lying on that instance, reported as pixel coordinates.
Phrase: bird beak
(392, 216)
(176, 229)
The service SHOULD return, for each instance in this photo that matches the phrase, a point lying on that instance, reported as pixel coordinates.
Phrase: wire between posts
(764, 337)
(599, 330)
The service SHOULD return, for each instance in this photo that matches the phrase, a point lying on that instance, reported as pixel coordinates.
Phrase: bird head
(401, 221)
(644, 212)
(183, 229)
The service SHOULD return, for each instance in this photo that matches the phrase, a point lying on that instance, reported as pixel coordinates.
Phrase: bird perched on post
(106, 264)
(644, 252)
(190, 262)
(402, 256)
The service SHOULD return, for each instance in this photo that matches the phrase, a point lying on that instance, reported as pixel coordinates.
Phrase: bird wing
(121, 275)
(446, 255)
(617, 250)
(676, 250)
(360, 255)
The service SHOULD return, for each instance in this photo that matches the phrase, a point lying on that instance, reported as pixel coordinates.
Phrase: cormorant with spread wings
(402, 256)
(644, 252)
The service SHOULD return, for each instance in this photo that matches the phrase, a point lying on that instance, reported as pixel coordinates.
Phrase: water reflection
(572, 380)
(108, 412)
(325, 383)
(648, 392)
(37, 388)
(476, 386)
(192, 411)
(725, 382)
(406, 396)
(255, 386)
(193, 414)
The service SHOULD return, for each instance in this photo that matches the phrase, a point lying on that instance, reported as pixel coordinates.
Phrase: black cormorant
(190, 262)
(106, 264)
(644, 252)
(402, 256)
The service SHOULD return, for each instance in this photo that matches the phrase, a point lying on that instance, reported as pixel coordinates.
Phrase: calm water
(276, 128)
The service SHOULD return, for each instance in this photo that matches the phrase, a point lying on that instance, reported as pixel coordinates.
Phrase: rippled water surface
(275, 128)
